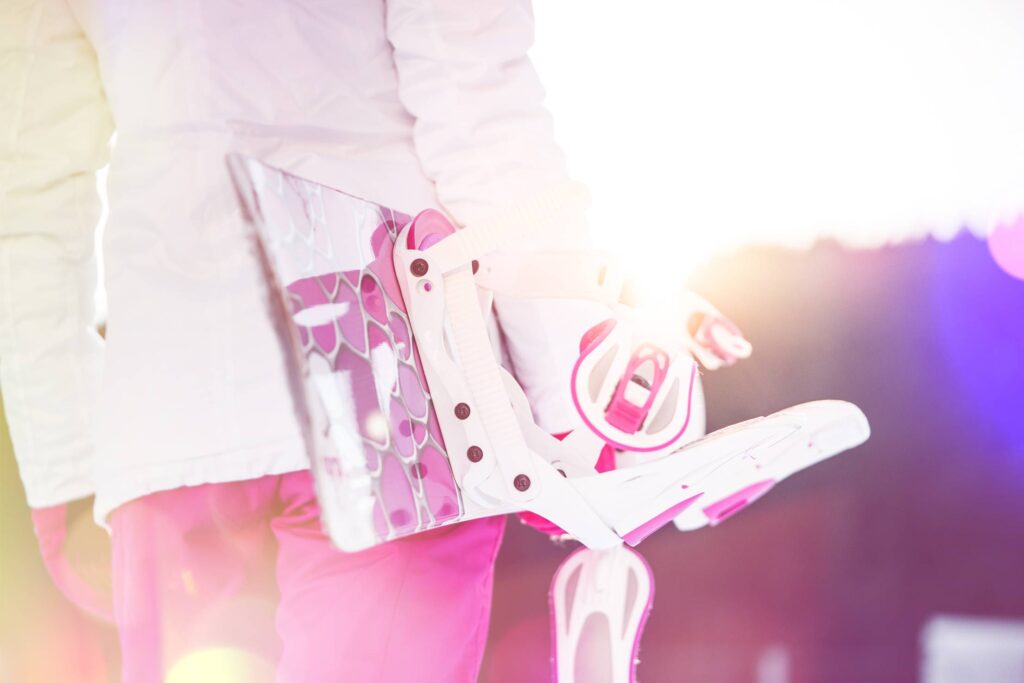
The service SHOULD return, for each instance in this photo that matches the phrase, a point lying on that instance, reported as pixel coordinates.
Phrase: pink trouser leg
(410, 610)
(210, 567)
(193, 570)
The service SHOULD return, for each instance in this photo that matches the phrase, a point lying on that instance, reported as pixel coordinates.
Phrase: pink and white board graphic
(373, 438)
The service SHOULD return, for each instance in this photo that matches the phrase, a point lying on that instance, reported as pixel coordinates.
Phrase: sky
(703, 126)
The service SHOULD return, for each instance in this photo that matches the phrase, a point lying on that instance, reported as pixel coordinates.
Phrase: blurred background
(845, 181)
(851, 570)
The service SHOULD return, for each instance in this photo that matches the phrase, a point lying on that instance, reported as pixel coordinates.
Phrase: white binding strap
(483, 376)
(538, 221)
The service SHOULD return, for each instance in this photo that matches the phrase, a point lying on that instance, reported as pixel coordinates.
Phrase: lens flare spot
(1006, 244)
(220, 664)
(375, 427)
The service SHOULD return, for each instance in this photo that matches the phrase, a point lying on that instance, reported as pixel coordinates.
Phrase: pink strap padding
(727, 507)
(638, 534)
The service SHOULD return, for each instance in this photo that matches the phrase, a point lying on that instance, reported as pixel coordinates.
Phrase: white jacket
(410, 103)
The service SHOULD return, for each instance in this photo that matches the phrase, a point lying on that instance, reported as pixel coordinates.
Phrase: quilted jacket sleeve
(55, 129)
(486, 140)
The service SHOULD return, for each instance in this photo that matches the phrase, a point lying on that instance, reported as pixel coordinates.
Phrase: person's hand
(77, 555)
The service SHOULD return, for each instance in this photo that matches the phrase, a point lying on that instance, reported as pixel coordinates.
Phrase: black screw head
(521, 482)
(476, 266)
(419, 267)
(462, 411)
(475, 453)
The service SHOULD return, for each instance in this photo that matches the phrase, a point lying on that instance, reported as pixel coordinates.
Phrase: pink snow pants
(244, 567)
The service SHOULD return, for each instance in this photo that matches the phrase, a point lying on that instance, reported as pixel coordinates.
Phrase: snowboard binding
(411, 420)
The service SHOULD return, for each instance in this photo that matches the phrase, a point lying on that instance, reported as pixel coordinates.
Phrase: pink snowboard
(371, 431)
